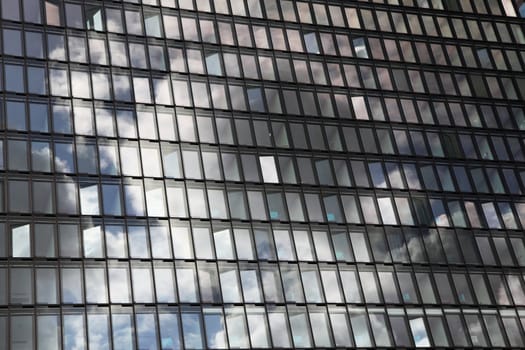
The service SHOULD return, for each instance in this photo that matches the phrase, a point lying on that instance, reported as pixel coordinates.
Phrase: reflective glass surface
(262, 174)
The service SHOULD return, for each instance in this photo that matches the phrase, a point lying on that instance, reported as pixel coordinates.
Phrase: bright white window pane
(230, 286)
(21, 241)
(142, 285)
(358, 102)
(155, 201)
(181, 93)
(80, 85)
(119, 285)
(509, 8)
(130, 161)
(223, 244)
(97, 290)
(419, 332)
(93, 246)
(162, 92)
(142, 90)
(387, 211)
(182, 247)
(269, 169)
(151, 162)
(83, 120)
(197, 203)
(89, 200)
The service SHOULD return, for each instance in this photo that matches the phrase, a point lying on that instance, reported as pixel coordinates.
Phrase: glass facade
(262, 174)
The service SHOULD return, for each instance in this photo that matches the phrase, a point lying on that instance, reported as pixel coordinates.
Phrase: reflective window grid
(262, 174)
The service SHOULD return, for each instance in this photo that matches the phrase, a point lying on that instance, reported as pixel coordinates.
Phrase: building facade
(262, 174)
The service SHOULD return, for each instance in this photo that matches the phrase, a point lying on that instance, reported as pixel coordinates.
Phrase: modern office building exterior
(262, 174)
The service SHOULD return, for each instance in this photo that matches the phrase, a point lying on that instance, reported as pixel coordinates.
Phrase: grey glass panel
(169, 330)
(388, 286)
(215, 329)
(17, 155)
(360, 329)
(138, 241)
(331, 286)
(73, 331)
(209, 283)
(279, 329)
(146, 331)
(119, 286)
(322, 246)
(165, 284)
(48, 328)
(34, 45)
(12, 41)
(97, 290)
(408, 290)
(340, 325)
(251, 286)
(71, 279)
(511, 327)
(462, 288)
(115, 241)
(203, 246)
(21, 332)
(237, 204)
(44, 240)
(437, 328)
(3, 293)
(192, 330)
(341, 245)
(300, 329)
(187, 282)
(31, 11)
(122, 331)
(312, 287)
(426, 290)
(457, 331)
(46, 286)
(98, 331)
(14, 77)
(400, 331)
(476, 331)
(142, 284)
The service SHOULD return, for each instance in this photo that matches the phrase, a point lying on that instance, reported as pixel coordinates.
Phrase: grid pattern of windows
(262, 174)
